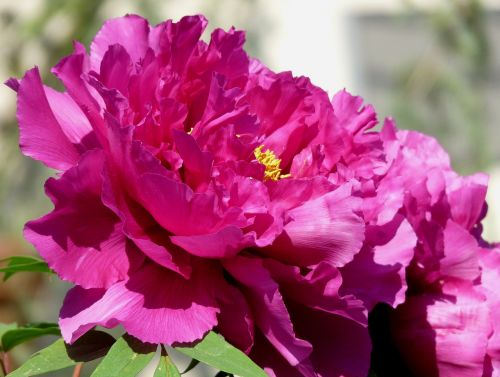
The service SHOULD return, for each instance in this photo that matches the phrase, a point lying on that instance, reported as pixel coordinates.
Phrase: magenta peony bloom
(446, 325)
(199, 190)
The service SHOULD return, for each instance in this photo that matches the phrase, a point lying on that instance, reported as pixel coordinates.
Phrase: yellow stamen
(272, 164)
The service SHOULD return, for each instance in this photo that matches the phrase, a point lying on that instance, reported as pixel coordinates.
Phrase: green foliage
(166, 368)
(59, 355)
(126, 358)
(23, 264)
(16, 336)
(216, 352)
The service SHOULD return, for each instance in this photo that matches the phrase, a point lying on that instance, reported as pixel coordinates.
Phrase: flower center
(272, 164)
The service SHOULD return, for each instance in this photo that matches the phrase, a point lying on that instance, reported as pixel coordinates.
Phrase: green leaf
(14, 337)
(49, 359)
(126, 358)
(59, 355)
(4, 327)
(18, 264)
(166, 368)
(215, 351)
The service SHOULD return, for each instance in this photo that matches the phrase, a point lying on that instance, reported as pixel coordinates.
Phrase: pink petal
(130, 31)
(224, 243)
(81, 239)
(442, 335)
(461, 253)
(271, 315)
(143, 230)
(383, 267)
(155, 305)
(319, 289)
(41, 136)
(115, 68)
(235, 319)
(325, 228)
(72, 120)
(341, 347)
(466, 196)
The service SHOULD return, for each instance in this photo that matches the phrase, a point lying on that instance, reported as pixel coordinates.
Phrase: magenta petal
(116, 67)
(225, 243)
(143, 230)
(197, 164)
(271, 315)
(461, 253)
(490, 262)
(81, 239)
(235, 319)
(130, 31)
(444, 335)
(72, 120)
(383, 268)
(155, 305)
(467, 199)
(41, 136)
(341, 347)
(174, 205)
(326, 228)
(319, 289)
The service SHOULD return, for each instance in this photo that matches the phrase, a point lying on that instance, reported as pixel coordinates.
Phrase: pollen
(272, 164)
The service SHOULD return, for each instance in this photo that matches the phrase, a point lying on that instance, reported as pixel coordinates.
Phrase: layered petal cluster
(447, 325)
(199, 190)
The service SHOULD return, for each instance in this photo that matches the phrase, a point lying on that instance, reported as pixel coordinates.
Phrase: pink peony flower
(445, 326)
(185, 201)
(199, 190)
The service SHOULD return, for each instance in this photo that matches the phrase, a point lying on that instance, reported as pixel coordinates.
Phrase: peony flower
(445, 325)
(199, 190)
(185, 201)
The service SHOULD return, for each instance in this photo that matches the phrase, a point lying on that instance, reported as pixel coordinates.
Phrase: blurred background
(432, 64)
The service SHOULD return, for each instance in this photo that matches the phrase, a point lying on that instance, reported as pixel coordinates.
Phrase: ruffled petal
(341, 347)
(461, 252)
(130, 31)
(319, 289)
(382, 267)
(41, 135)
(444, 335)
(81, 239)
(154, 305)
(235, 320)
(326, 228)
(268, 307)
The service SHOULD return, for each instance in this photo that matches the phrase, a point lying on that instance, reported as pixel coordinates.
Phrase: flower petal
(443, 335)
(40, 134)
(156, 306)
(271, 315)
(81, 239)
(383, 267)
(130, 31)
(325, 228)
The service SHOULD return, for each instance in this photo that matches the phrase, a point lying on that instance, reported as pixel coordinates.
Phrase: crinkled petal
(155, 305)
(271, 315)
(444, 335)
(41, 135)
(461, 251)
(341, 346)
(130, 31)
(81, 239)
(382, 267)
(326, 228)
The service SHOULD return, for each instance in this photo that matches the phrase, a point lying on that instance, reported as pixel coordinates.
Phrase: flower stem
(77, 370)
(6, 363)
